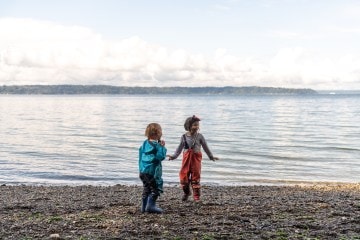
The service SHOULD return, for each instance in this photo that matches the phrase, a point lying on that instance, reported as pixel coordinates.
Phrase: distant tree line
(106, 89)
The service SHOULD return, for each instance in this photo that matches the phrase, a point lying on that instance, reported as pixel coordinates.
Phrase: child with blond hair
(151, 153)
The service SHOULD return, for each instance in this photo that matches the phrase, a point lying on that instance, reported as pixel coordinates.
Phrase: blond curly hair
(153, 130)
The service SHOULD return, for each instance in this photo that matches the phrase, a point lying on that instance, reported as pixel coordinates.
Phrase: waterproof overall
(190, 170)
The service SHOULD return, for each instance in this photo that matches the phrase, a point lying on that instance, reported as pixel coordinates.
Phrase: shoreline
(310, 211)
(138, 183)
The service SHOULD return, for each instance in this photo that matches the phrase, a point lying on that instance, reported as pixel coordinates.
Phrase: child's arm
(206, 148)
(178, 150)
(161, 152)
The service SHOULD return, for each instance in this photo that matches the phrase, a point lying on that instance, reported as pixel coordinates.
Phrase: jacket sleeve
(179, 148)
(205, 147)
(160, 153)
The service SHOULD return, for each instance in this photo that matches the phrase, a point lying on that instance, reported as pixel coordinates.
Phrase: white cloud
(351, 11)
(342, 30)
(37, 52)
(291, 35)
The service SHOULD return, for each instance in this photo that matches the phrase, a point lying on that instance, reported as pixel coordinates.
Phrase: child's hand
(170, 157)
(215, 159)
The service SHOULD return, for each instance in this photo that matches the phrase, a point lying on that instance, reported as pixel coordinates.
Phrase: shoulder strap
(185, 142)
(194, 140)
(193, 144)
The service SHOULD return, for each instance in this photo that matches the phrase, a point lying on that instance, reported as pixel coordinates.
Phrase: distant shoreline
(118, 90)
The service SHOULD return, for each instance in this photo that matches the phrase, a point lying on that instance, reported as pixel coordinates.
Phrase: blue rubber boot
(151, 205)
(143, 204)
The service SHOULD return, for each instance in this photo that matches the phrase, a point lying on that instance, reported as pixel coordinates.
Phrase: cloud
(350, 11)
(291, 35)
(38, 52)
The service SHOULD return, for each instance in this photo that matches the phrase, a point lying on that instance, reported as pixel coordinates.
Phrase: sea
(260, 140)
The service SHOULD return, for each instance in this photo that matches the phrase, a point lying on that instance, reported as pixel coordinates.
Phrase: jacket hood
(149, 147)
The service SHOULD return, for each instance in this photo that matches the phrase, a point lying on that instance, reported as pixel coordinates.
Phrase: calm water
(260, 140)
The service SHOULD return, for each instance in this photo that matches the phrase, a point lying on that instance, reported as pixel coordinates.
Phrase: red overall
(190, 169)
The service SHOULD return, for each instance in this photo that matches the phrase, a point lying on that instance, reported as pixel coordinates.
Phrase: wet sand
(317, 211)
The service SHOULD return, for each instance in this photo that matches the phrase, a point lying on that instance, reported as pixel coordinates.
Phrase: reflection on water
(260, 140)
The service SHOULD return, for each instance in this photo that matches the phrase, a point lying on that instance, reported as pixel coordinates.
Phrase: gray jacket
(195, 142)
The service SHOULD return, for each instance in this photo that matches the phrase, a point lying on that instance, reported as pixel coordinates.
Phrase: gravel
(317, 211)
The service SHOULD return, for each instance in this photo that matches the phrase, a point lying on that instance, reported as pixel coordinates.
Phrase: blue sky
(274, 43)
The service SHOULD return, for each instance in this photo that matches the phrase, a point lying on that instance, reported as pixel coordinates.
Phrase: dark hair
(190, 121)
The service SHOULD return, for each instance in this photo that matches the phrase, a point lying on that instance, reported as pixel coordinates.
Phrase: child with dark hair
(191, 142)
(151, 153)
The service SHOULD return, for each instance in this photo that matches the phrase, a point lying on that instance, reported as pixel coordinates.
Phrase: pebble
(54, 236)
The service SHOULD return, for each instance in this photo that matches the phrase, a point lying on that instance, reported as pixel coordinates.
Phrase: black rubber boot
(144, 201)
(151, 205)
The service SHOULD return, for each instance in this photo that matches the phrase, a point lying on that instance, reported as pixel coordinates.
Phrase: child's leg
(195, 175)
(185, 175)
(152, 194)
(146, 192)
(186, 189)
(196, 190)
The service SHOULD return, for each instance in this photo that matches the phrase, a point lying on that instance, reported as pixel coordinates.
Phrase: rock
(55, 236)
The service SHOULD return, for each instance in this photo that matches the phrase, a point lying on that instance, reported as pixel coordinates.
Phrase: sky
(188, 43)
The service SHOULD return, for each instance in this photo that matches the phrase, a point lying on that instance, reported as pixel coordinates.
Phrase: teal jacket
(151, 153)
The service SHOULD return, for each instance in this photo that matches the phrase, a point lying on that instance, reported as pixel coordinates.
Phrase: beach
(315, 211)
